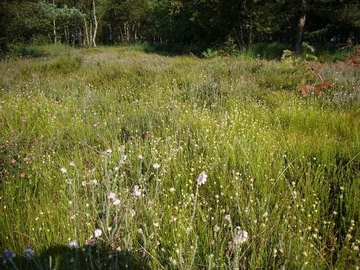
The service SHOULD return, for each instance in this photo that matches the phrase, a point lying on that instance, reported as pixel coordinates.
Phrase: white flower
(73, 244)
(94, 182)
(72, 164)
(97, 233)
(156, 166)
(137, 191)
(216, 228)
(63, 170)
(124, 157)
(116, 202)
(133, 213)
(108, 151)
(201, 179)
(112, 196)
(227, 217)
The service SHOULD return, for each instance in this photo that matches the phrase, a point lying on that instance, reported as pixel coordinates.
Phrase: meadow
(114, 158)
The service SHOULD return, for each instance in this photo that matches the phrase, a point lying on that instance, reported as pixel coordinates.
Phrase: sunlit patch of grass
(117, 146)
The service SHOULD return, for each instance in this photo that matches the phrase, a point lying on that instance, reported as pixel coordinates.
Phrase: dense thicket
(185, 23)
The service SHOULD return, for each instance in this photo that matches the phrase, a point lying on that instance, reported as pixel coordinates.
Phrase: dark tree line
(183, 23)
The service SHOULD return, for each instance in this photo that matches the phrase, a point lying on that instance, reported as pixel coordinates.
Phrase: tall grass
(101, 153)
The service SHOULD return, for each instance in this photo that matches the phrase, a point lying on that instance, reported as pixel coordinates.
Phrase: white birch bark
(95, 25)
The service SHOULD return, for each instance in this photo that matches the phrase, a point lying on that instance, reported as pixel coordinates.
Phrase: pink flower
(116, 202)
(201, 179)
(241, 237)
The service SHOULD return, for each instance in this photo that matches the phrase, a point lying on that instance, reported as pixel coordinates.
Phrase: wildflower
(90, 242)
(216, 228)
(97, 233)
(7, 255)
(94, 182)
(29, 251)
(106, 152)
(156, 166)
(133, 213)
(73, 244)
(72, 164)
(241, 237)
(124, 157)
(137, 191)
(63, 170)
(112, 196)
(116, 202)
(201, 179)
(227, 217)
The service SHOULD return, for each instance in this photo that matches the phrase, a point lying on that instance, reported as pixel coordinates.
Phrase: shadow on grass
(88, 257)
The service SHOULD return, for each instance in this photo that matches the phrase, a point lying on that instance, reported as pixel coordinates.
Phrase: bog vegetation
(114, 158)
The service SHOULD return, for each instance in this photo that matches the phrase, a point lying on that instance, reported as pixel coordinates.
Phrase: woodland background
(183, 25)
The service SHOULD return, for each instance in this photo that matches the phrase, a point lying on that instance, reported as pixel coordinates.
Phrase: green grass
(115, 139)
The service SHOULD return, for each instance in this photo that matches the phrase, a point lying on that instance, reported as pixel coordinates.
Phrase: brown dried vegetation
(317, 89)
(354, 60)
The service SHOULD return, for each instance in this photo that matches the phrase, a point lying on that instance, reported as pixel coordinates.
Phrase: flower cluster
(7, 256)
(241, 236)
(112, 196)
(29, 252)
(137, 191)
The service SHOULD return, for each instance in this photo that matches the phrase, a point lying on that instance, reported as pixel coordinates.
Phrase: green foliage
(210, 53)
(114, 139)
(307, 53)
(333, 54)
(266, 50)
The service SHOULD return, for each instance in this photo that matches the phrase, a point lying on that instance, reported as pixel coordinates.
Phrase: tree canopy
(183, 23)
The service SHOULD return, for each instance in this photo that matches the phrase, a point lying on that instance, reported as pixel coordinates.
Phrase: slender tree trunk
(298, 38)
(87, 37)
(242, 34)
(54, 26)
(66, 33)
(95, 25)
(54, 31)
(127, 32)
(90, 32)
